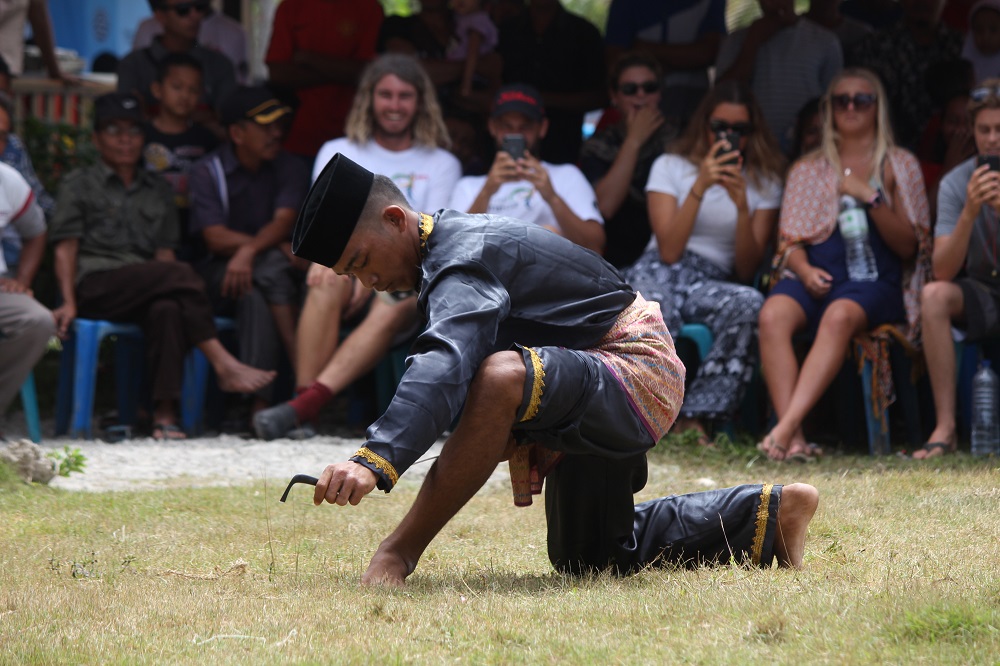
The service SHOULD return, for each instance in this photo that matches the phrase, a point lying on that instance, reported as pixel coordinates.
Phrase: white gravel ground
(224, 460)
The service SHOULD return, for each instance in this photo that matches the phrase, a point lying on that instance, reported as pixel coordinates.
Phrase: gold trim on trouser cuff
(379, 462)
(537, 386)
(762, 515)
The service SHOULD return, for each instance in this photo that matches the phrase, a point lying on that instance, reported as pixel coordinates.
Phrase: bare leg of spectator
(940, 303)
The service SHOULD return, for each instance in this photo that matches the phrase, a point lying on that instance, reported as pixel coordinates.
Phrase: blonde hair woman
(857, 157)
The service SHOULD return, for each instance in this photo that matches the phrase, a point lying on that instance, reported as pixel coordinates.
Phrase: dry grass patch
(902, 565)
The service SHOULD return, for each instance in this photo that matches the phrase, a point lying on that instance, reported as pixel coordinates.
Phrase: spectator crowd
(713, 181)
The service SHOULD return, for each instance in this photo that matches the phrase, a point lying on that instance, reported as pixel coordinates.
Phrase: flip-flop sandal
(168, 432)
(930, 447)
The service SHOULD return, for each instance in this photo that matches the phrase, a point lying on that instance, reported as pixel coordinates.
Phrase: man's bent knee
(500, 379)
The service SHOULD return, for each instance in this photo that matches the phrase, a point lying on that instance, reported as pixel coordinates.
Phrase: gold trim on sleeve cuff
(537, 386)
(762, 515)
(379, 462)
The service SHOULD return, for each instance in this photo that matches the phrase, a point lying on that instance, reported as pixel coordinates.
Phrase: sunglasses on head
(861, 101)
(980, 94)
(720, 126)
(648, 87)
(184, 8)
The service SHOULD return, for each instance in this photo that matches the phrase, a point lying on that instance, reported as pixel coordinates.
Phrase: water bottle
(985, 411)
(854, 229)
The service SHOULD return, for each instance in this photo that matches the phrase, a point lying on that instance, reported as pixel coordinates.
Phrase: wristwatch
(877, 199)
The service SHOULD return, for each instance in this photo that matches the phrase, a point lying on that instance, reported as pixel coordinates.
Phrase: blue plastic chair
(78, 377)
(29, 402)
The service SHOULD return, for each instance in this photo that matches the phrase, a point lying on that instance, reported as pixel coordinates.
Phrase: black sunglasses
(184, 8)
(861, 101)
(719, 126)
(980, 94)
(648, 87)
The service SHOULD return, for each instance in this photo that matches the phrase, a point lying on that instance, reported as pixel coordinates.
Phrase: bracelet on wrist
(697, 197)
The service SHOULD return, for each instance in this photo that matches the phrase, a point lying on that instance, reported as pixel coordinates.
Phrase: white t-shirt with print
(519, 199)
(714, 233)
(425, 175)
(15, 198)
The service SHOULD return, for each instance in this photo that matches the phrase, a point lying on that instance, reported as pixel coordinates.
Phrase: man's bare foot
(236, 377)
(386, 568)
(798, 504)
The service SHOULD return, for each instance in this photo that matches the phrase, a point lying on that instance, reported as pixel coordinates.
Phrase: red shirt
(333, 28)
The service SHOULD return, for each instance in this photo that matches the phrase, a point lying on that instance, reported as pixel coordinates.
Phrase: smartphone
(513, 145)
(733, 140)
(992, 160)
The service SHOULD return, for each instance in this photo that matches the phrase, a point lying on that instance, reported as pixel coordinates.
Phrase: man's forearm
(65, 266)
(585, 233)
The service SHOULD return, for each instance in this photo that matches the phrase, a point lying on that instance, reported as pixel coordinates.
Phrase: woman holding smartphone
(713, 202)
(856, 158)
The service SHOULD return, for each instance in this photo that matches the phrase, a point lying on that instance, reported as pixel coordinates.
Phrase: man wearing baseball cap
(555, 364)
(244, 199)
(557, 197)
(115, 229)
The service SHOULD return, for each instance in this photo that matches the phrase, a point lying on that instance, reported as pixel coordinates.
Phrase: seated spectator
(713, 204)
(786, 59)
(848, 29)
(14, 16)
(617, 159)
(217, 32)
(948, 140)
(317, 51)
(684, 37)
(901, 56)
(115, 229)
(395, 129)
(562, 55)
(474, 36)
(879, 14)
(25, 324)
(555, 196)
(245, 197)
(14, 153)
(816, 295)
(181, 21)
(808, 134)
(982, 44)
(174, 142)
(965, 238)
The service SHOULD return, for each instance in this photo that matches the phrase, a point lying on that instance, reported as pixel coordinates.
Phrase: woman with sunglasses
(617, 159)
(713, 201)
(857, 157)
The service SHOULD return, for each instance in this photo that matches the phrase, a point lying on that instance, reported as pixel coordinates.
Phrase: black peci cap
(116, 106)
(256, 103)
(331, 211)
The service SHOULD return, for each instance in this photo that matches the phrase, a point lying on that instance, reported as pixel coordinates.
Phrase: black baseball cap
(117, 106)
(255, 103)
(519, 97)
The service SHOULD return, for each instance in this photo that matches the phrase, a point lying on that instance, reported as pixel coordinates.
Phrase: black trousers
(594, 525)
(167, 299)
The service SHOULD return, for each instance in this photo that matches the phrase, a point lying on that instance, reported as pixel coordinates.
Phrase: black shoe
(274, 422)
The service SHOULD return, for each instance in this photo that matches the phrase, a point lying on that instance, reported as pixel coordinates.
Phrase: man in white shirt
(555, 196)
(395, 129)
(25, 324)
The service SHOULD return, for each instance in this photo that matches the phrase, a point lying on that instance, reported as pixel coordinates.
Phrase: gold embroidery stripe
(379, 462)
(426, 227)
(537, 386)
(761, 531)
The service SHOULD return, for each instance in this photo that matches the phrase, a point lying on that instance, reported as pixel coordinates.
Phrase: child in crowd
(475, 35)
(982, 43)
(174, 142)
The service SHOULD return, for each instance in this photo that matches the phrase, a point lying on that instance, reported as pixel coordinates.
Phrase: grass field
(902, 566)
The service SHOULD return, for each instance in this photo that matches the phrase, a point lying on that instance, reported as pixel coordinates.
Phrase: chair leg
(194, 392)
(84, 380)
(877, 424)
(29, 401)
(64, 392)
